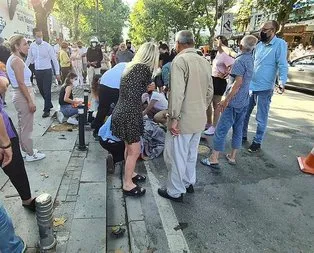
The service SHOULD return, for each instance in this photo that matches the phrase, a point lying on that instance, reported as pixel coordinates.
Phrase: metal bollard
(86, 105)
(44, 221)
(82, 146)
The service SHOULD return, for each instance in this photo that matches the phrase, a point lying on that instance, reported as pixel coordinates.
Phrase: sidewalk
(75, 179)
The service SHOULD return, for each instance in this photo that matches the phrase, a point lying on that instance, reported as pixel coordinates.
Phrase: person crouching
(234, 106)
(67, 104)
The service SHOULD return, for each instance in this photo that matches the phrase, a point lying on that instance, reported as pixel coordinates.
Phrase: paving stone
(115, 244)
(71, 198)
(114, 181)
(76, 162)
(91, 202)
(115, 207)
(134, 209)
(94, 171)
(138, 237)
(88, 235)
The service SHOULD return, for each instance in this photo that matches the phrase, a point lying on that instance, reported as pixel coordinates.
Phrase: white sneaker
(35, 157)
(60, 117)
(24, 154)
(210, 131)
(72, 121)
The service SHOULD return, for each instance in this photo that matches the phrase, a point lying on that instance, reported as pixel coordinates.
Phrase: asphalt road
(264, 203)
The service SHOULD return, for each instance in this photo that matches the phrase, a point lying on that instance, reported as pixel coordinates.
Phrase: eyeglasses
(266, 30)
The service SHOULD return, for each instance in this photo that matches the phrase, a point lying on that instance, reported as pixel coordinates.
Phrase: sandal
(230, 161)
(137, 191)
(138, 178)
(206, 162)
(31, 206)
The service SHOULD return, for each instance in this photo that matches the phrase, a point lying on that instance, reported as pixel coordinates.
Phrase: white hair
(185, 37)
(248, 43)
(148, 55)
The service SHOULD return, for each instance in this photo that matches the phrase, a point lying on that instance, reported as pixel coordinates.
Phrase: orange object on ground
(307, 163)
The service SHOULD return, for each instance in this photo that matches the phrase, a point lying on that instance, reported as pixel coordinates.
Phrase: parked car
(301, 73)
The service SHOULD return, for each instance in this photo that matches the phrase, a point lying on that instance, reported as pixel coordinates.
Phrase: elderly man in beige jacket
(191, 91)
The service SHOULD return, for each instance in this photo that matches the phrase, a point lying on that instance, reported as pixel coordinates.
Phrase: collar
(188, 50)
(272, 41)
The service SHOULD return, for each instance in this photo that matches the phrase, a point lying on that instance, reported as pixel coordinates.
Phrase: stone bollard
(44, 221)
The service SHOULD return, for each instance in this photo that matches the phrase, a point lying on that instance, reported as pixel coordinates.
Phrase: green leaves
(81, 17)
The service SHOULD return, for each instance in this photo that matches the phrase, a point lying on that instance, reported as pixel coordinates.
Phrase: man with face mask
(270, 58)
(94, 57)
(42, 55)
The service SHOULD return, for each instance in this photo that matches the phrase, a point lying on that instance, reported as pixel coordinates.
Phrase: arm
(5, 145)
(149, 107)
(30, 57)
(18, 68)
(67, 94)
(282, 64)
(177, 91)
(53, 57)
(101, 55)
(235, 88)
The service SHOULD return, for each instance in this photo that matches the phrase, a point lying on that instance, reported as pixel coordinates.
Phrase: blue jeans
(68, 110)
(9, 242)
(262, 99)
(44, 81)
(231, 117)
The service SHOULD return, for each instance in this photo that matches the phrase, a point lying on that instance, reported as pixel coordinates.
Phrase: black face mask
(264, 37)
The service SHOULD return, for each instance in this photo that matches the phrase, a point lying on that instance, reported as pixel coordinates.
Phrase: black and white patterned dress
(127, 118)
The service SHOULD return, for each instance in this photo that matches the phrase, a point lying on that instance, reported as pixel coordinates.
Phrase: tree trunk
(42, 13)
(76, 30)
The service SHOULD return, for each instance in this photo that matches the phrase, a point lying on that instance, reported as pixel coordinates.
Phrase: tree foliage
(152, 19)
(80, 16)
(283, 9)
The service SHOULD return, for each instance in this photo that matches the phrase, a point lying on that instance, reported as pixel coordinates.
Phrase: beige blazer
(191, 91)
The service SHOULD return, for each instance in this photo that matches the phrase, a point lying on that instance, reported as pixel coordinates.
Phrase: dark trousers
(108, 98)
(64, 72)
(32, 68)
(16, 169)
(116, 149)
(44, 81)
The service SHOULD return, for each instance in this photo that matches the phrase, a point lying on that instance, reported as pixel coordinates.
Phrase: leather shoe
(46, 115)
(163, 193)
(190, 189)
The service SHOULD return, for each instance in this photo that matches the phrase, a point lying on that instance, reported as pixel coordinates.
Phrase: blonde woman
(127, 117)
(23, 95)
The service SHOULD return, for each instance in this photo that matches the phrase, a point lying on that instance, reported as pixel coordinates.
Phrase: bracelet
(8, 146)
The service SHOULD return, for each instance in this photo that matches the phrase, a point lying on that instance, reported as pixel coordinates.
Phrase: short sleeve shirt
(243, 66)
(221, 63)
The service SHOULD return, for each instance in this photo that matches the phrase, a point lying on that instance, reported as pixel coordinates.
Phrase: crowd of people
(177, 90)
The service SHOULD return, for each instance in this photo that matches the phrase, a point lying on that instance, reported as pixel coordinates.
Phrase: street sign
(227, 24)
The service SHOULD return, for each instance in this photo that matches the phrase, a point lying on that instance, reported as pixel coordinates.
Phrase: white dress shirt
(42, 55)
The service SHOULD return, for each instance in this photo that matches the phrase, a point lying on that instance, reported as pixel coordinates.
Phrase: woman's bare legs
(132, 153)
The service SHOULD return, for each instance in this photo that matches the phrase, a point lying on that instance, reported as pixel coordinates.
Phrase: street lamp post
(97, 18)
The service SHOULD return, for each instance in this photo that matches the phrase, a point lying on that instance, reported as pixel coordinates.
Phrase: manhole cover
(65, 127)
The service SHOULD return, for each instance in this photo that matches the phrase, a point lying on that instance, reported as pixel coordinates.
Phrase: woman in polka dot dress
(127, 117)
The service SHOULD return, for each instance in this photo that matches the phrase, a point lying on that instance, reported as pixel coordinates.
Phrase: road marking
(176, 239)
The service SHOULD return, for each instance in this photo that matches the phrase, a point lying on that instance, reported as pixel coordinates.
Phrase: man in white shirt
(43, 56)
(83, 51)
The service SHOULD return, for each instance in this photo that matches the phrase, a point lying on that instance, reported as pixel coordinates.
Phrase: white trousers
(91, 72)
(180, 155)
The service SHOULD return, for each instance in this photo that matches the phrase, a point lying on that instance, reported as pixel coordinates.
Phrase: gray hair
(248, 43)
(185, 37)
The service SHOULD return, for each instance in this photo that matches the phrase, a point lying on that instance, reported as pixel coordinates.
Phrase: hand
(280, 89)
(58, 78)
(32, 107)
(223, 105)
(174, 129)
(6, 156)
